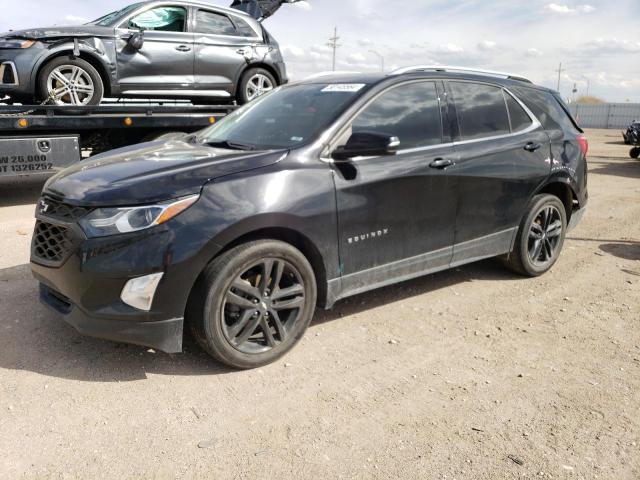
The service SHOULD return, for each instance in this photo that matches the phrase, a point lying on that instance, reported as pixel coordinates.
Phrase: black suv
(317, 191)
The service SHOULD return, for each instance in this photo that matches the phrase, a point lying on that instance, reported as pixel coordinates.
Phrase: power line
(334, 45)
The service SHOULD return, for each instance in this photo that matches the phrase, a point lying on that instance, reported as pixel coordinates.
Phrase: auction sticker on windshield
(344, 87)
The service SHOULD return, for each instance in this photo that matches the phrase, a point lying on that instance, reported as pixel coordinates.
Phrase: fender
(254, 64)
(96, 48)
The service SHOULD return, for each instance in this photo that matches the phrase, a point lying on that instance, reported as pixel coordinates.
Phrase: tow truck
(40, 140)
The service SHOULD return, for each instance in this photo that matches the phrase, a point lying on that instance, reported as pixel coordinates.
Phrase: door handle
(441, 163)
(532, 146)
(183, 48)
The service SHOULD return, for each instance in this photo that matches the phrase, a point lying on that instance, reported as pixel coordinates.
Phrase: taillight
(584, 144)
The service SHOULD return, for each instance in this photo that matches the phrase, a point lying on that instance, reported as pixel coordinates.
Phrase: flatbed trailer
(39, 140)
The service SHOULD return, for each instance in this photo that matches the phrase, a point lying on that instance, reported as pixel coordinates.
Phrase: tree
(589, 99)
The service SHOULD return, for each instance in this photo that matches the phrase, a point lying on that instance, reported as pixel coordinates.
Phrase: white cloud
(608, 46)
(533, 52)
(356, 58)
(293, 51)
(487, 45)
(566, 9)
(306, 6)
(71, 20)
(365, 42)
(447, 48)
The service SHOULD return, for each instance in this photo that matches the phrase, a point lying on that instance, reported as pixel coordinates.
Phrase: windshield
(289, 117)
(113, 18)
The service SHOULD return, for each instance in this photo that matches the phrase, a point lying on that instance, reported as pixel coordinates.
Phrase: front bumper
(165, 335)
(16, 79)
(85, 285)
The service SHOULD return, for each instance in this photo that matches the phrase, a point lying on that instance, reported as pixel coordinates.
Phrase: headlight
(112, 221)
(16, 43)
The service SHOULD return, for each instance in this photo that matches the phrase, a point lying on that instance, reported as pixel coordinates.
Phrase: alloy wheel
(258, 85)
(263, 306)
(70, 85)
(545, 234)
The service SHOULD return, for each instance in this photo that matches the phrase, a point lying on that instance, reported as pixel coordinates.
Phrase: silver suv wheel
(70, 85)
(258, 85)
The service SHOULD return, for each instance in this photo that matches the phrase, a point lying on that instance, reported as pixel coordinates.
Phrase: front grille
(61, 211)
(52, 243)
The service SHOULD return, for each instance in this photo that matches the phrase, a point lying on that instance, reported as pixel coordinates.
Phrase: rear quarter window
(547, 109)
(481, 110)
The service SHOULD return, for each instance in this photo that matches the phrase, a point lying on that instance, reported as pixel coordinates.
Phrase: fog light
(139, 292)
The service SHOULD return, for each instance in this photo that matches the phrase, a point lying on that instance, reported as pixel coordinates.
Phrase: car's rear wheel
(634, 152)
(255, 83)
(70, 81)
(540, 237)
(253, 303)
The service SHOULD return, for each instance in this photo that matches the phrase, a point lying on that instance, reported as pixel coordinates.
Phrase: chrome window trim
(535, 123)
(16, 80)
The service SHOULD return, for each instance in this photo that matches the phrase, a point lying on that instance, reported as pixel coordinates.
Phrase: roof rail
(473, 71)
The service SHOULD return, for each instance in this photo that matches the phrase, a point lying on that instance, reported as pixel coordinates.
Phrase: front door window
(164, 19)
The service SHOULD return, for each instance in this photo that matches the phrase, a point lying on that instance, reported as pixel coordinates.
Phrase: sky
(597, 41)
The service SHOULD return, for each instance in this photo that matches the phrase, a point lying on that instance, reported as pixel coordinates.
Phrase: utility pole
(588, 84)
(334, 45)
(380, 57)
(559, 75)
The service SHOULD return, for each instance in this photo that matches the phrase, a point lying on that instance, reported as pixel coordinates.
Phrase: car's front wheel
(255, 83)
(253, 303)
(634, 152)
(70, 81)
(540, 237)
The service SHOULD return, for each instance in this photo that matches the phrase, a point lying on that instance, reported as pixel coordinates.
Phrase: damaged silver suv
(153, 49)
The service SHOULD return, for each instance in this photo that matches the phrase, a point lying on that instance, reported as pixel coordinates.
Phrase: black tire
(634, 152)
(522, 258)
(242, 94)
(86, 67)
(216, 307)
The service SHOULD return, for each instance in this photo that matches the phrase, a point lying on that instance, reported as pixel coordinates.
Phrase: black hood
(61, 32)
(151, 172)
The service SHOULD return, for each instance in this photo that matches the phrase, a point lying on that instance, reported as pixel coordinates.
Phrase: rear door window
(410, 112)
(519, 118)
(481, 109)
(212, 23)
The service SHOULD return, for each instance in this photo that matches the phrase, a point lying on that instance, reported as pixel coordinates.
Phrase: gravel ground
(467, 374)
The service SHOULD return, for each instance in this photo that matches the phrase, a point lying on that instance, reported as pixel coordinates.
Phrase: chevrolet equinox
(317, 191)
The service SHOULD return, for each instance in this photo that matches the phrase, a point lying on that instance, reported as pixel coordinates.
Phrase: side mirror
(367, 144)
(136, 41)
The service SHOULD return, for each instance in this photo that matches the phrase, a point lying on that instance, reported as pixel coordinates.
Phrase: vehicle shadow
(629, 169)
(24, 193)
(34, 339)
(625, 250)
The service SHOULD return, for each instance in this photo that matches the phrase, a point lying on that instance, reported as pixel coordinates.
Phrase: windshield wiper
(231, 145)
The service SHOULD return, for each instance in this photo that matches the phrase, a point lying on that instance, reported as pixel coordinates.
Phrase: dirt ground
(469, 374)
